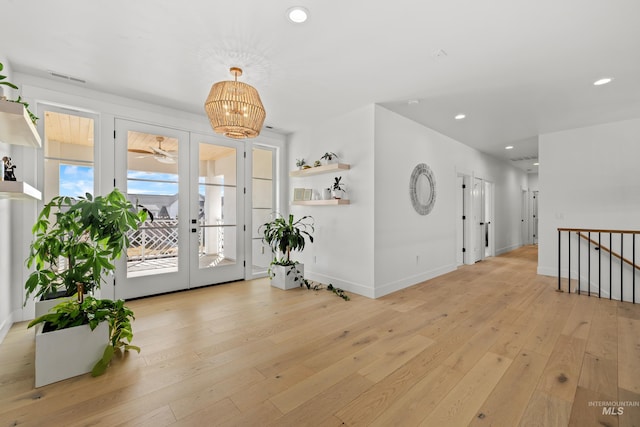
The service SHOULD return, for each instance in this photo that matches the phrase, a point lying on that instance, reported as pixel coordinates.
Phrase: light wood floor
(488, 345)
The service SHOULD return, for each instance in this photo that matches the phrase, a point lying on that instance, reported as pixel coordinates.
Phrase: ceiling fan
(157, 153)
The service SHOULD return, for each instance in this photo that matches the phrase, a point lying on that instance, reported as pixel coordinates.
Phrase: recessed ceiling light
(297, 14)
(536, 164)
(509, 147)
(602, 81)
(460, 116)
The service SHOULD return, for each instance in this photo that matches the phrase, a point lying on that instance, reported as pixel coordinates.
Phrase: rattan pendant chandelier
(234, 108)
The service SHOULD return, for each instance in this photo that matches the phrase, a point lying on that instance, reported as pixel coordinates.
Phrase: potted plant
(317, 163)
(284, 235)
(300, 163)
(329, 157)
(337, 188)
(79, 337)
(75, 243)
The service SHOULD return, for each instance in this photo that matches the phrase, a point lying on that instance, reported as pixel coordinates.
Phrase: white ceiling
(516, 68)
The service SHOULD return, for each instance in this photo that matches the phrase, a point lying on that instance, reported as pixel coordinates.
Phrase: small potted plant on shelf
(329, 157)
(300, 163)
(337, 188)
(284, 235)
(317, 163)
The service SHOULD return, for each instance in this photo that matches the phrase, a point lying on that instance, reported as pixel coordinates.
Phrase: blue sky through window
(76, 180)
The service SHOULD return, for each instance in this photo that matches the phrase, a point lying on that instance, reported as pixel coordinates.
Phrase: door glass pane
(217, 218)
(152, 182)
(262, 206)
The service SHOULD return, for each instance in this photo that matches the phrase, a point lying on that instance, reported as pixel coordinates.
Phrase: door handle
(193, 230)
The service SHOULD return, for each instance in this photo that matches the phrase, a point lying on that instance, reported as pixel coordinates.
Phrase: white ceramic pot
(284, 277)
(68, 352)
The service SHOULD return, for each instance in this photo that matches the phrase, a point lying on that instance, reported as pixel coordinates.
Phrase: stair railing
(597, 240)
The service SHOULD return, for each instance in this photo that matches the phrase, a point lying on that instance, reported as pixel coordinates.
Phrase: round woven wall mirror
(422, 189)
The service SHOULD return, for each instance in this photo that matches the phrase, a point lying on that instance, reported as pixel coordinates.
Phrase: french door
(191, 185)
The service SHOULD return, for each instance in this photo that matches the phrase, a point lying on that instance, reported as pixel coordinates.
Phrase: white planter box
(68, 352)
(286, 281)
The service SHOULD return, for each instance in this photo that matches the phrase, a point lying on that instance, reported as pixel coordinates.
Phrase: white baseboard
(507, 249)
(6, 325)
(388, 288)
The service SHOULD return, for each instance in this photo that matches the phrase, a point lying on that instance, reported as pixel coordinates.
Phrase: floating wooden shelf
(16, 127)
(331, 167)
(18, 190)
(332, 202)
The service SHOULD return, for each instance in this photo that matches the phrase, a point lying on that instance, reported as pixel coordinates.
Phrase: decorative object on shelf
(234, 108)
(298, 194)
(329, 157)
(307, 194)
(300, 163)
(337, 188)
(19, 100)
(326, 194)
(422, 189)
(317, 164)
(8, 168)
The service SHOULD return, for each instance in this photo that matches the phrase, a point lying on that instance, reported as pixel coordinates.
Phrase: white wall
(5, 231)
(342, 252)
(533, 181)
(378, 244)
(411, 248)
(588, 179)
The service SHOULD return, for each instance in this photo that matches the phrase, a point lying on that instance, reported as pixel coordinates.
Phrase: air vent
(65, 77)
(519, 159)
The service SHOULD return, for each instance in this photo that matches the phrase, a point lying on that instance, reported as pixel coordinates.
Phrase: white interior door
(478, 219)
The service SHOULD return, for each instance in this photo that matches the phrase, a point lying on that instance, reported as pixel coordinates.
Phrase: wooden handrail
(595, 230)
(604, 248)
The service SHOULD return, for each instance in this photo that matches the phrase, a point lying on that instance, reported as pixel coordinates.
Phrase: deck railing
(596, 259)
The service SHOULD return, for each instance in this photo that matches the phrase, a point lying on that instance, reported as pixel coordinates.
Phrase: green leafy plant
(314, 286)
(76, 241)
(32, 116)
(284, 235)
(92, 311)
(339, 292)
(337, 185)
(328, 156)
(9, 84)
(300, 162)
